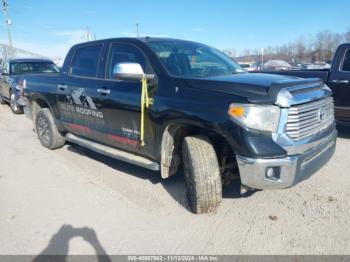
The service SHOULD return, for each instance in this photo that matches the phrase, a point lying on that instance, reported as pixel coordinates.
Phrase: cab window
(85, 61)
(346, 63)
(124, 53)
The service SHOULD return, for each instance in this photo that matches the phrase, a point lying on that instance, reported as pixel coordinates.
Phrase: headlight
(258, 117)
(21, 85)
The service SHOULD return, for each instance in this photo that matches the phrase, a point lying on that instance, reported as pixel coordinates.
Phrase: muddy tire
(2, 101)
(15, 108)
(47, 131)
(202, 174)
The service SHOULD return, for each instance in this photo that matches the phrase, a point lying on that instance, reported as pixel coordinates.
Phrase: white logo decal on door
(80, 98)
(79, 102)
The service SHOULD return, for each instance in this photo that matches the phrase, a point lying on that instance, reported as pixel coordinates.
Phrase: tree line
(320, 47)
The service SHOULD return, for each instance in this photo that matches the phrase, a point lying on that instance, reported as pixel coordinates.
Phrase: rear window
(18, 68)
(85, 61)
(346, 63)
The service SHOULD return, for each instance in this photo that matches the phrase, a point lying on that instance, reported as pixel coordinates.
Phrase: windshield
(194, 60)
(33, 67)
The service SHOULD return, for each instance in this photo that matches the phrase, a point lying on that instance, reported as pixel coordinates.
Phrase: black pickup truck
(159, 103)
(337, 78)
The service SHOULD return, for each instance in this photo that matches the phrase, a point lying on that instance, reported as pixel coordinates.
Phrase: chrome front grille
(309, 118)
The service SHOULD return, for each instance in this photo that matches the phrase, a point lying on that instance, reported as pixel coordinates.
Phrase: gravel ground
(73, 201)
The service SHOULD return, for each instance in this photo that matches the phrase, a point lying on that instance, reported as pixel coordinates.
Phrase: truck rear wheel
(202, 174)
(47, 131)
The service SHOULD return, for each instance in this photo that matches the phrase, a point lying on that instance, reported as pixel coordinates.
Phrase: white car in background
(247, 66)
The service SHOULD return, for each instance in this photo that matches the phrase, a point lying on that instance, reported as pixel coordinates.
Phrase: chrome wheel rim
(13, 103)
(43, 130)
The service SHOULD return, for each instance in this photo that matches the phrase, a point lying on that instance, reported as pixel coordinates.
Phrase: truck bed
(41, 82)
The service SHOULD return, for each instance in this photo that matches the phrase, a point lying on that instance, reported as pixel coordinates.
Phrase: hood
(257, 87)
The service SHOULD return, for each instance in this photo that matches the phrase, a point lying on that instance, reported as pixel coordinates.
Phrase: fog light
(273, 173)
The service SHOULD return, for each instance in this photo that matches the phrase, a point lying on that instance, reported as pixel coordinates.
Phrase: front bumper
(291, 169)
(20, 101)
(27, 108)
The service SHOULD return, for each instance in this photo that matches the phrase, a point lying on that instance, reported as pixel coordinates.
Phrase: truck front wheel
(15, 108)
(202, 174)
(47, 131)
(2, 101)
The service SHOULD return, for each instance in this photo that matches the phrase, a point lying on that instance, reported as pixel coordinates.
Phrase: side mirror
(129, 71)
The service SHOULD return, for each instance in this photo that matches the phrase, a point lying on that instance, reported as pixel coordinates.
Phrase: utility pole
(262, 59)
(137, 29)
(8, 22)
(88, 34)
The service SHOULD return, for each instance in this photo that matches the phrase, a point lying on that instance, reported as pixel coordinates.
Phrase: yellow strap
(145, 102)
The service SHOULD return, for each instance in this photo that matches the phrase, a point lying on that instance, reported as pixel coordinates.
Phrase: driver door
(122, 102)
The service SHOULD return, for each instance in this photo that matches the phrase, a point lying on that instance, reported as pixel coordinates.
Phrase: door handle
(103, 91)
(62, 87)
(340, 81)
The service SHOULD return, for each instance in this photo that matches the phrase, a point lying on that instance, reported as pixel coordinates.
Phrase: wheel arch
(38, 102)
(171, 144)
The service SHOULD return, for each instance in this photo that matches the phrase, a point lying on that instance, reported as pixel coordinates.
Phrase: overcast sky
(51, 27)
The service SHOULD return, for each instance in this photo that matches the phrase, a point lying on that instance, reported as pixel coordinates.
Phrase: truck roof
(344, 44)
(160, 39)
(28, 60)
(146, 39)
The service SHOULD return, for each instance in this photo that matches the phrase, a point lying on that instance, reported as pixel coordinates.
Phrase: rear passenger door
(121, 106)
(80, 113)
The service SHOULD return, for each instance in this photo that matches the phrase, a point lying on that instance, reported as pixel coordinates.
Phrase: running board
(114, 153)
